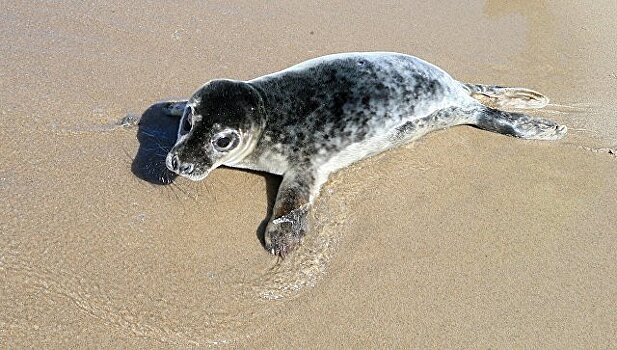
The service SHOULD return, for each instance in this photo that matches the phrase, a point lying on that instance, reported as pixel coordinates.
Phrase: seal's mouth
(196, 176)
(189, 170)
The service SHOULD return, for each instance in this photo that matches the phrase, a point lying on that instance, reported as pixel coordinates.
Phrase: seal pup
(312, 119)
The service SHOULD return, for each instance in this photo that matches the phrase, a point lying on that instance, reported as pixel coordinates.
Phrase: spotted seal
(312, 119)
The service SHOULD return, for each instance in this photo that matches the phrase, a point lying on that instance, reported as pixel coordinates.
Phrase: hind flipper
(500, 97)
(517, 124)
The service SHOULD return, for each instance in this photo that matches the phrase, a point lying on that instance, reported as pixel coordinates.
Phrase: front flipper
(289, 221)
(174, 108)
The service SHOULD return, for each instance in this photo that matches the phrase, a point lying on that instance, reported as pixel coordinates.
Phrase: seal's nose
(186, 168)
(172, 162)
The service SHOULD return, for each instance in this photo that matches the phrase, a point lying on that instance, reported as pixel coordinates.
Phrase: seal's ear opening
(156, 133)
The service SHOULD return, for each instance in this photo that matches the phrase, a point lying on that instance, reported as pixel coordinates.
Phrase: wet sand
(463, 239)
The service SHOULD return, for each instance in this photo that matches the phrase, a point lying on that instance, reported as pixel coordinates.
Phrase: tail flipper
(500, 97)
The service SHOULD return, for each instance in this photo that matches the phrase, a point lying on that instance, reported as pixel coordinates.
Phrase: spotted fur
(312, 119)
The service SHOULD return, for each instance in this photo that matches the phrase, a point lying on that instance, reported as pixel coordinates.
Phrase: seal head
(221, 125)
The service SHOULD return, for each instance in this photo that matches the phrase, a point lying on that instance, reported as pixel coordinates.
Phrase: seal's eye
(225, 141)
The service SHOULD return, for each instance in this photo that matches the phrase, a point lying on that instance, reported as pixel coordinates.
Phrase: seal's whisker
(152, 135)
(163, 148)
(126, 153)
(187, 193)
(173, 191)
(211, 193)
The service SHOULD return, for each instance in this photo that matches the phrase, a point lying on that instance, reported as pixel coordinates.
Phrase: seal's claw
(283, 237)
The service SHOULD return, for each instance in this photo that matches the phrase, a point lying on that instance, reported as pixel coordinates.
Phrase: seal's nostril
(174, 162)
(187, 168)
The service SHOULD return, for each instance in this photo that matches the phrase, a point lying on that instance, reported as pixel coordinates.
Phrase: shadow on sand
(157, 134)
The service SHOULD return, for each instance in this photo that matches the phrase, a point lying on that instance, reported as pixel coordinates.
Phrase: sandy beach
(463, 239)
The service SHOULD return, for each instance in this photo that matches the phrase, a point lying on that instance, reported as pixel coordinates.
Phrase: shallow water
(463, 238)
